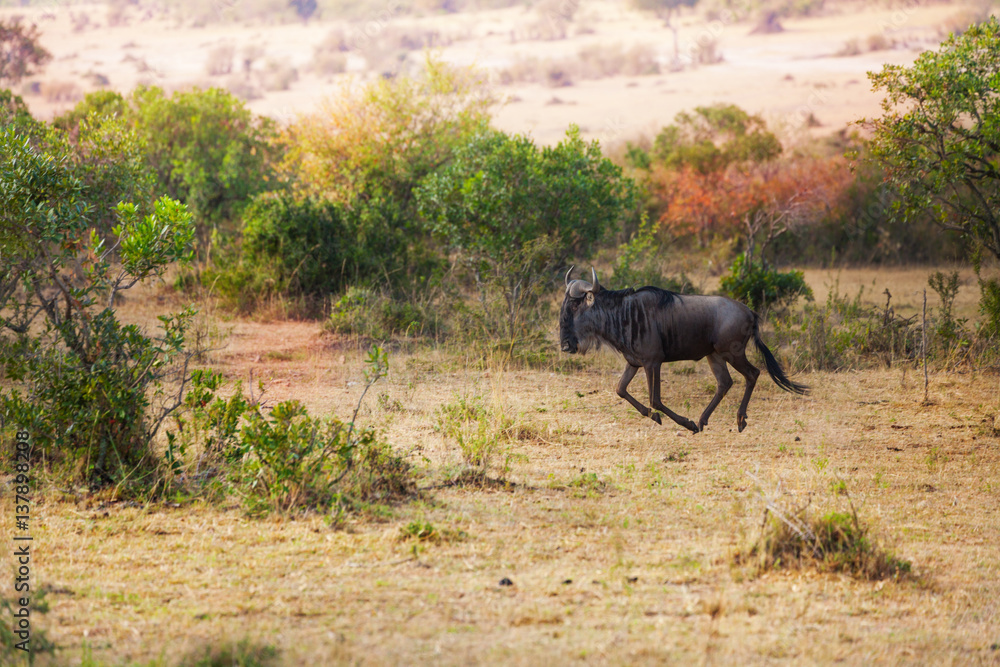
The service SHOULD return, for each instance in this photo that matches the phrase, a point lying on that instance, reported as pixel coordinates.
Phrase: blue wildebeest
(649, 326)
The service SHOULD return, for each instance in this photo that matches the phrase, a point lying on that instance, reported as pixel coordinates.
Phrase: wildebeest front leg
(724, 382)
(627, 376)
(653, 378)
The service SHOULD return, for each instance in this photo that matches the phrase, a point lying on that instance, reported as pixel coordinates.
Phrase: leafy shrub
(307, 249)
(89, 405)
(637, 265)
(88, 387)
(379, 140)
(14, 112)
(207, 150)
(374, 314)
(286, 460)
(298, 247)
(208, 421)
(949, 331)
(761, 287)
(514, 212)
(38, 642)
(711, 138)
(844, 333)
(483, 434)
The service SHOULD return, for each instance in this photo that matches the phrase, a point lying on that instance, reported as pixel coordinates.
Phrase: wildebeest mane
(615, 298)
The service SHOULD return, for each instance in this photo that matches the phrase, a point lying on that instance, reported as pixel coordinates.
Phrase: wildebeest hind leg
(750, 372)
(724, 382)
(627, 376)
(653, 378)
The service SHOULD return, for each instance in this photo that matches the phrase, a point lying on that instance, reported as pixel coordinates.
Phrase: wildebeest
(649, 326)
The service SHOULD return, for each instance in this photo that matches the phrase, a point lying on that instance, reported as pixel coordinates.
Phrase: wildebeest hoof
(691, 426)
(655, 416)
(741, 422)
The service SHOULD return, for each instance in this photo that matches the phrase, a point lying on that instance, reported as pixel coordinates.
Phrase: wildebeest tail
(773, 367)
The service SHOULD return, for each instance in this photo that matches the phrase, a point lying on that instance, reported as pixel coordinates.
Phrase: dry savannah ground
(619, 535)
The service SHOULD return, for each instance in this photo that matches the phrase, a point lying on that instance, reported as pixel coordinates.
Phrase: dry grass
(618, 535)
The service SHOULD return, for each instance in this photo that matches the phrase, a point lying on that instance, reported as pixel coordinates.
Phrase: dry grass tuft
(834, 542)
(245, 653)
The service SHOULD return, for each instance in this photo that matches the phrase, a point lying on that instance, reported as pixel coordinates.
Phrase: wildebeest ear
(590, 298)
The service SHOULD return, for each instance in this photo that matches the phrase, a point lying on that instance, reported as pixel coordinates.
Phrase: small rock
(798, 439)
(567, 581)
(506, 582)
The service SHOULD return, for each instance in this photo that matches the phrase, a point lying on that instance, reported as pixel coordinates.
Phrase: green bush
(208, 422)
(949, 331)
(13, 111)
(512, 213)
(284, 460)
(99, 103)
(305, 249)
(207, 150)
(201, 147)
(711, 138)
(845, 333)
(761, 287)
(989, 305)
(374, 314)
(483, 433)
(637, 264)
(293, 247)
(88, 407)
(90, 389)
(38, 643)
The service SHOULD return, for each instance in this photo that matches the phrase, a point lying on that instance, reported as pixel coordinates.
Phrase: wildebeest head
(580, 297)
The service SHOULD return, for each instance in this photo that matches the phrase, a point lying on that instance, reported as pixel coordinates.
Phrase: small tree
(938, 138)
(304, 8)
(666, 9)
(20, 52)
(79, 379)
(207, 150)
(712, 138)
(515, 212)
(381, 139)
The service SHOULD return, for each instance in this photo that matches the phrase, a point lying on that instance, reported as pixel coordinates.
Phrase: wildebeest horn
(567, 274)
(597, 285)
